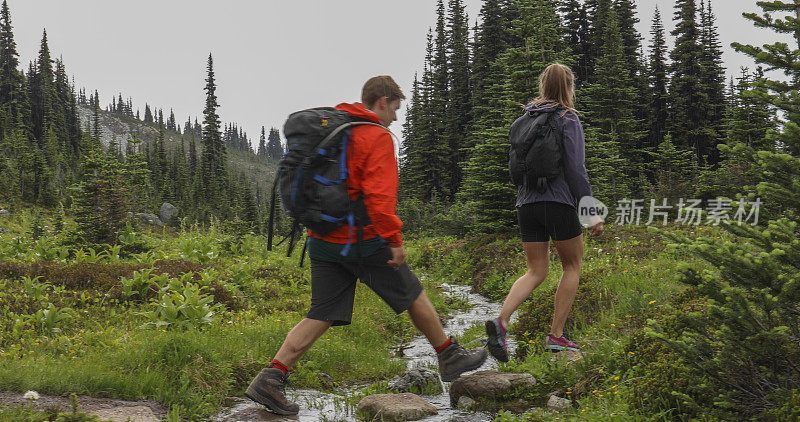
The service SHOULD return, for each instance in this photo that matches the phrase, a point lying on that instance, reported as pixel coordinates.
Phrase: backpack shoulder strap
(343, 127)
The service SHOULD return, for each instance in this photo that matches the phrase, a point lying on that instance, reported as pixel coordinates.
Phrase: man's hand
(398, 256)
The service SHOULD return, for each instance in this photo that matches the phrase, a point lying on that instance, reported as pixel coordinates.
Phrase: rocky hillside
(119, 129)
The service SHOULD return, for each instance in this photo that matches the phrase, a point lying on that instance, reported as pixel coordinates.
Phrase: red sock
(277, 364)
(441, 348)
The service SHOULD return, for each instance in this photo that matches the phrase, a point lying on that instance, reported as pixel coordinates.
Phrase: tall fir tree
(148, 114)
(659, 80)
(490, 43)
(10, 77)
(262, 143)
(712, 79)
(213, 162)
(687, 95)
(610, 105)
(274, 145)
(459, 104)
(577, 37)
(43, 94)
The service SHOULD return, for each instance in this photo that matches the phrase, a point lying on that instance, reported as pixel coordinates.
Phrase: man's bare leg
(300, 339)
(425, 318)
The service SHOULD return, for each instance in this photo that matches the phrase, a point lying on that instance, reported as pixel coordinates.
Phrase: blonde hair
(557, 84)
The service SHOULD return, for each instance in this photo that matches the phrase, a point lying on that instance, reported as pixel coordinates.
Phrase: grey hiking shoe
(269, 389)
(455, 360)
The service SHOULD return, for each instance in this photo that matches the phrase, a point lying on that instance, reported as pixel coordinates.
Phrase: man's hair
(378, 87)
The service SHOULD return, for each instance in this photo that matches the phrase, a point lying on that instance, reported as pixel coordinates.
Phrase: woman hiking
(548, 210)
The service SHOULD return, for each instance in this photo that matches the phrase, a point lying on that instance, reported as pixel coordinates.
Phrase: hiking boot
(496, 330)
(269, 389)
(557, 344)
(455, 360)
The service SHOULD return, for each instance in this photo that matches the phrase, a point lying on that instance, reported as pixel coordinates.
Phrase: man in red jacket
(378, 260)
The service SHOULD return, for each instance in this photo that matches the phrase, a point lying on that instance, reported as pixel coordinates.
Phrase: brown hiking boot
(455, 360)
(269, 389)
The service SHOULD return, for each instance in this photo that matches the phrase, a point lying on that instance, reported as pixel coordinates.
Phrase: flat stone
(490, 386)
(558, 403)
(395, 407)
(4, 212)
(123, 414)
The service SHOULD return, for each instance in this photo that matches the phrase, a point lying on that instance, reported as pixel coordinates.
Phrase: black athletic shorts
(333, 286)
(540, 221)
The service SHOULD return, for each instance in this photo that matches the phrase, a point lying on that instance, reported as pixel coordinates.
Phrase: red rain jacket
(372, 165)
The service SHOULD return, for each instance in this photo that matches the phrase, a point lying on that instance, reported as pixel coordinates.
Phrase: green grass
(629, 277)
(102, 349)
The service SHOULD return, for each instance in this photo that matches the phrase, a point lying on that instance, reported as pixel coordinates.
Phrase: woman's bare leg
(571, 254)
(538, 256)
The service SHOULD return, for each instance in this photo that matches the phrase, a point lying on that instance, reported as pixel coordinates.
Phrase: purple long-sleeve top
(573, 182)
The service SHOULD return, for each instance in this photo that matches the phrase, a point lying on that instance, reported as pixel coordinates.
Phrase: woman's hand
(597, 229)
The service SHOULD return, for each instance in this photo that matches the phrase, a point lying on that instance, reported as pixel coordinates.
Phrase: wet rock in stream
(395, 407)
(419, 381)
(492, 389)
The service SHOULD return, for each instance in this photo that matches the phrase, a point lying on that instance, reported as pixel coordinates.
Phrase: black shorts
(333, 286)
(540, 221)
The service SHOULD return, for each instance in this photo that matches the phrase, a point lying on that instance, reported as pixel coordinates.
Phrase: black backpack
(535, 157)
(312, 175)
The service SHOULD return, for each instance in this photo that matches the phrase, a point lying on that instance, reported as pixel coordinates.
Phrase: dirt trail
(106, 409)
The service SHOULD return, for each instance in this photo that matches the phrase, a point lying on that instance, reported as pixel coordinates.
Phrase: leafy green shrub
(48, 321)
(141, 283)
(180, 306)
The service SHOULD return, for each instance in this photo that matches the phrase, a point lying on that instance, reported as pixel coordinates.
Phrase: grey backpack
(536, 154)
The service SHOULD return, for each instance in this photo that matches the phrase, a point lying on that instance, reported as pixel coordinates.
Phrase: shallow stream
(326, 406)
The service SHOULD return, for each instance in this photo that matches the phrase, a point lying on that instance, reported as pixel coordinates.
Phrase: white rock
(558, 403)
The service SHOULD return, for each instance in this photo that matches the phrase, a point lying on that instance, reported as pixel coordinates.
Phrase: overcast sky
(272, 57)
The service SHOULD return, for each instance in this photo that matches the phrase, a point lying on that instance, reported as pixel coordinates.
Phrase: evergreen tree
(10, 77)
(487, 189)
(96, 133)
(538, 27)
(597, 13)
(490, 43)
(136, 167)
(751, 117)
(712, 80)
(171, 121)
(426, 153)
(43, 94)
(437, 108)
(102, 199)
(148, 114)
(262, 143)
(459, 104)
(674, 171)
(577, 37)
(742, 348)
(659, 98)
(687, 95)
(213, 161)
(274, 146)
(610, 105)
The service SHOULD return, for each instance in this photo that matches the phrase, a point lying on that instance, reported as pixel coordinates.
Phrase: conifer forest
(136, 270)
